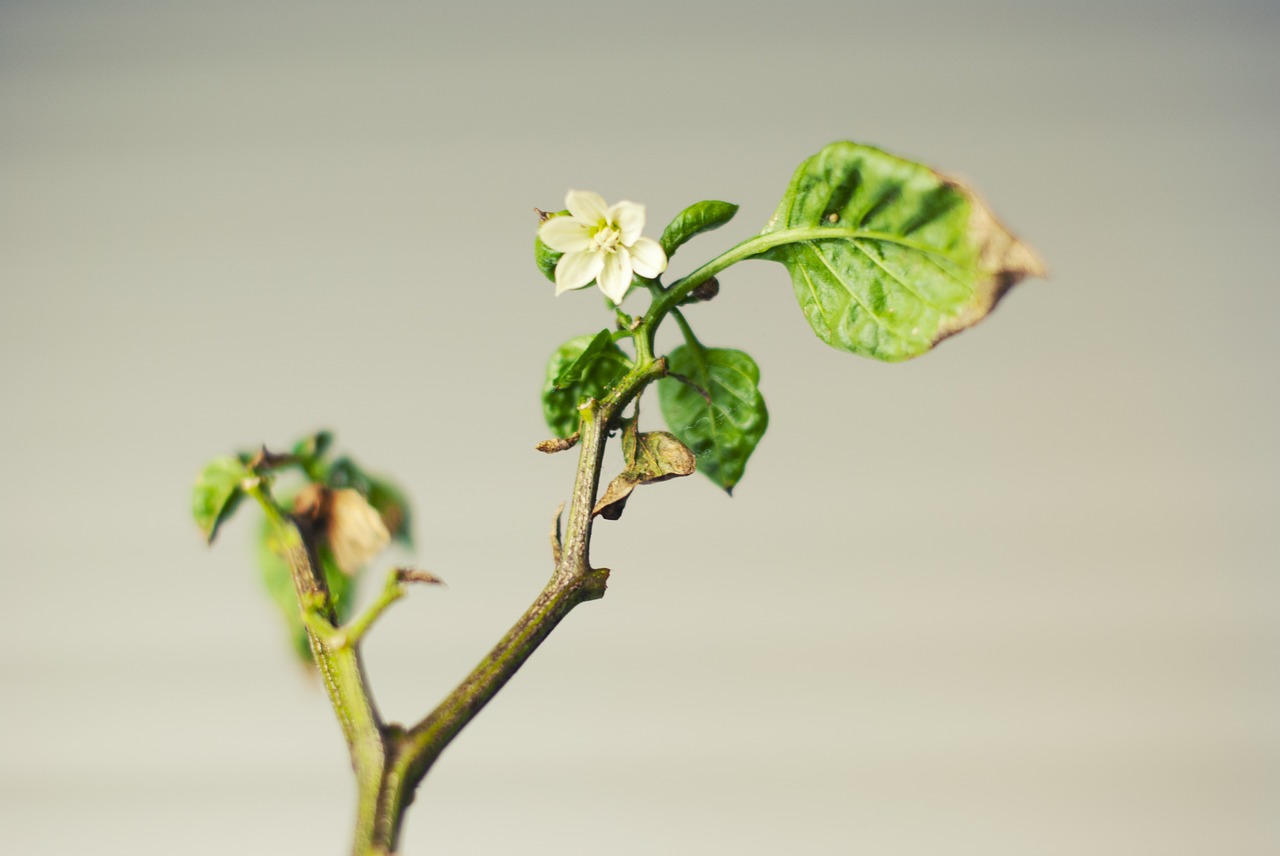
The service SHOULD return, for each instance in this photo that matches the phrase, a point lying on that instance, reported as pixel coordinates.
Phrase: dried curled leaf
(651, 457)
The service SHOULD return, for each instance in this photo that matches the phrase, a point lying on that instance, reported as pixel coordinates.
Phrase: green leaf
(697, 218)
(578, 369)
(888, 257)
(545, 257)
(217, 493)
(313, 446)
(722, 431)
(560, 405)
(346, 473)
(393, 506)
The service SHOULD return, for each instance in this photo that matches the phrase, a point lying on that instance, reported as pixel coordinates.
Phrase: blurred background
(1017, 596)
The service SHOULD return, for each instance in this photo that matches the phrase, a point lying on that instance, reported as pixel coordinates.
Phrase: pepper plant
(887, 258)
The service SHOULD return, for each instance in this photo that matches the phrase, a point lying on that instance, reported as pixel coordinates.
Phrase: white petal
(586, 206)
(630, 219)
(574, 270)
(647, 257)
(615, 279)
(565, 235)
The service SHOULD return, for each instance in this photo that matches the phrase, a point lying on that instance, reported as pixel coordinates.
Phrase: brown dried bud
(352, 528)
(703, 292)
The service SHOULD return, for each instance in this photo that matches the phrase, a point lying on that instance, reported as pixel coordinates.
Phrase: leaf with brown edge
(1003, 262)
(651, 457)
(888, 257)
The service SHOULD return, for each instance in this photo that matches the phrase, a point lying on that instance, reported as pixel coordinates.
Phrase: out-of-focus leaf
(278, 580)
(217, 493)
(392, 504)
(313, 446)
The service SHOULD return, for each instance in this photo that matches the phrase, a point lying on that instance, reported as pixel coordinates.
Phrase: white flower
(601, 243)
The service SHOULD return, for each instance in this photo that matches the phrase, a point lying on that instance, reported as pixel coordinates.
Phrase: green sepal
(697, 218)
(545, 257)
(889, 256)
(217, 492)
(560, 403)
(724, 431)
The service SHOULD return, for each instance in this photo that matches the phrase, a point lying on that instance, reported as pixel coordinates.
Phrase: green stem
(687, 331)
(409, 754)
(340, 667)
(390, 761)
(754, 246)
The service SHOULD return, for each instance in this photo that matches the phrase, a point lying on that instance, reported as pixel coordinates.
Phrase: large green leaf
(724, 430)
(560, 402)
(216, 494)
(887, 256)
(697, 218)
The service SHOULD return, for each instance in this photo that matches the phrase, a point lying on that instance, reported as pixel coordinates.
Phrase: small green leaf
(279, 584)
(560, 405)
(393, 506)
(313, 446)
(722, 431)
(217, 493)
(346, 473)
(888, 257)
(578, 369)
(697, 218)
(342, 587)
(545, 257)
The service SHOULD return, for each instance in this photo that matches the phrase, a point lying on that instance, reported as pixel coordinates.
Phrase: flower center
(607, 238)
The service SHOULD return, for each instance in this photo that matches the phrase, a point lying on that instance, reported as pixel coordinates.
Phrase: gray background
(1015, 597)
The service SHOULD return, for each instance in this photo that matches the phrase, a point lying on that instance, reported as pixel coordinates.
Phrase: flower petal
(647, 257)
(615, 279)
(586, 206)
(629, 218)
(574, 270)
(565, 235)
